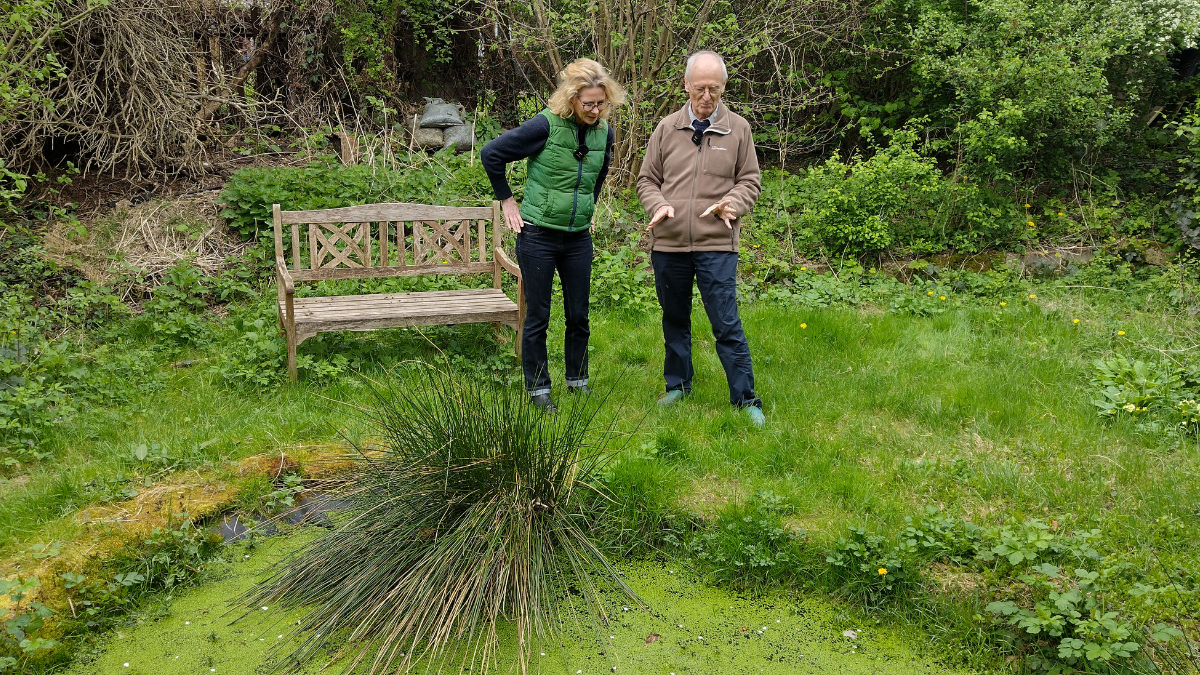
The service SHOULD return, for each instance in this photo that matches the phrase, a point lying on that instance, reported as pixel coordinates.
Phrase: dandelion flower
(803, 268)
(1060, 213)
(1026, 206)
(1120, 332)
(941, 297)
(1004, 304)
(1032, 296)
(882, 571)
(1075, 321)
(1031, 224)
(803, 326)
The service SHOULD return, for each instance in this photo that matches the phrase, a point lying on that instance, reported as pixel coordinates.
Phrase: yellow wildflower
(802, 268)
(803, 325)
(1004, 304)
(1120, 332)
(929, 293)
(941, 297)
(1026, 206)
(882, 571)
(1032, 296)
(1075, 321)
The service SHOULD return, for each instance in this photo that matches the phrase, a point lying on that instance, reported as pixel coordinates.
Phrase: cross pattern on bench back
(387, 240)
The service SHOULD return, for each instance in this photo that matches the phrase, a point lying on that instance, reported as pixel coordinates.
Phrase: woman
(569, 146)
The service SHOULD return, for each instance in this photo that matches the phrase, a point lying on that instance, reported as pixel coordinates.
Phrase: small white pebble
(578, 671)
(543, 653)
(279, 637)
(612, 637)
(187, 623)
(679, 626)
(776, 620)
(126, 665)
(261, 639)
(247, 556)
(177, 657)
(764, 627)
(264, 609)
(699, 637)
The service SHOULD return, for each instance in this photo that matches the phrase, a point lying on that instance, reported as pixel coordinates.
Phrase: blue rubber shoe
(756, 415)
(674, 396)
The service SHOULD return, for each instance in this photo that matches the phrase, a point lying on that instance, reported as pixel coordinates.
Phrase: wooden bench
(392, 240)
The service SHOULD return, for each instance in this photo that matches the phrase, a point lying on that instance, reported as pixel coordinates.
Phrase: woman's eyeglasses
(595, 107)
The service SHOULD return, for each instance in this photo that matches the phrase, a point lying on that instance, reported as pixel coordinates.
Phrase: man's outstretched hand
(512, 214)
(665, 211)
(724, 210)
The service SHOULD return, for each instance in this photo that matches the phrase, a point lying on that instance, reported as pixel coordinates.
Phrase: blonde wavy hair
(578, 75)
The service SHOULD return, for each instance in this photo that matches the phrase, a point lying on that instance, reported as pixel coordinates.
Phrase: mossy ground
(201, 632)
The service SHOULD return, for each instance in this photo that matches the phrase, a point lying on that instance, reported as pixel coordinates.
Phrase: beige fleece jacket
(692, 178)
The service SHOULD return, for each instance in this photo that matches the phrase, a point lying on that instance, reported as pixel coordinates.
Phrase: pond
(700, 630)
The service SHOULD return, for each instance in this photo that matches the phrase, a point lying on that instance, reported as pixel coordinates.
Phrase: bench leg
(293, 374)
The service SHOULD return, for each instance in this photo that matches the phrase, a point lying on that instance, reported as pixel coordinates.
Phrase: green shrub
(444, 179)
(872, 204)
(623, 279)
(749, 548)
(19, 639)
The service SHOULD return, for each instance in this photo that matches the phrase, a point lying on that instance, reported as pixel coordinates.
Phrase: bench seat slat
(482, 305)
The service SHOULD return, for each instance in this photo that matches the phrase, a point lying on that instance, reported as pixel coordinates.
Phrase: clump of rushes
(470, 514)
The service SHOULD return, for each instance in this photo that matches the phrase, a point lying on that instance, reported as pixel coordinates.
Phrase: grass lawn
(984, 413)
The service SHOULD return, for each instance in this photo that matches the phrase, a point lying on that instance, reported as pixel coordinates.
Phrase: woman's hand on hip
(512, 214)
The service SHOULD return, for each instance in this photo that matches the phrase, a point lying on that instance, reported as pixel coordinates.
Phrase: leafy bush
(445, 179)
(623, 279)
(1071, 612)
(867, 569)
(19, 639)
(1159, 393)
(748, 547)
(870, 204)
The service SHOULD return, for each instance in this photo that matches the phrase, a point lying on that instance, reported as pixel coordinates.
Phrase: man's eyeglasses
(596, 107)
(711, 91)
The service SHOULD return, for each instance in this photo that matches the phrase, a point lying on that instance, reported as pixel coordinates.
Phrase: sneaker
(755, 414)
(581, 389)
(672, 397)
(544, 402)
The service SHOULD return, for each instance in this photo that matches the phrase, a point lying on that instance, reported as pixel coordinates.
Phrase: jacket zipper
(692, 201)
(575, 199)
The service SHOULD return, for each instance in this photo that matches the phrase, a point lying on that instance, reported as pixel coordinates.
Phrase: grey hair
(691, 60)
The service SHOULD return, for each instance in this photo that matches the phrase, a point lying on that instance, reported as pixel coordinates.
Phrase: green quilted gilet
(558, 190)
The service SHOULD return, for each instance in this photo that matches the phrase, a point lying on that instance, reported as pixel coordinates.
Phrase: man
(699, 177)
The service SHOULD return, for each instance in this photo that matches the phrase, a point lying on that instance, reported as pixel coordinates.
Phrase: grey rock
(461, 137)
(439, 114)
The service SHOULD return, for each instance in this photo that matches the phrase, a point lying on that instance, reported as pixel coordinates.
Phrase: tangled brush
(471, 515)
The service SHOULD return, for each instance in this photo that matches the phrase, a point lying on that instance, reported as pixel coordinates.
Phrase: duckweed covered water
(700, 629)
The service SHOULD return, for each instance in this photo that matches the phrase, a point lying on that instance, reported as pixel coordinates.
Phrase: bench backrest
(388, 240)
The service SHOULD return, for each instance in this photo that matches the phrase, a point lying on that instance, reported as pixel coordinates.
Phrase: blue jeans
(541, 251)
(715, 272)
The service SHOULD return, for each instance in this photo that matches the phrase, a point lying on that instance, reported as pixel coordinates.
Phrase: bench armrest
(504, 261)
(287, 288)
(285, 279)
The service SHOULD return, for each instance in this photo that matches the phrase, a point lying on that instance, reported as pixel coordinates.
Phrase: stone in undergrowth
(461, 138)
(852, 634)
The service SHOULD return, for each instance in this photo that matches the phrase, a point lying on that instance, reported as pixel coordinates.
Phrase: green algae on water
(700, 630)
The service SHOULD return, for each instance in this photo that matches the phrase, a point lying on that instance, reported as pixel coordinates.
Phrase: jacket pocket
(720, 155)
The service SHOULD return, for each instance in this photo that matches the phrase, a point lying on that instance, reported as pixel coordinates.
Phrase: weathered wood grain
(390, 212)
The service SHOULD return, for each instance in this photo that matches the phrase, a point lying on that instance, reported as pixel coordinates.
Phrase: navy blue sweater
(528, 140)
